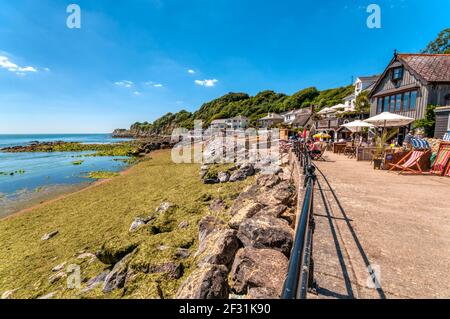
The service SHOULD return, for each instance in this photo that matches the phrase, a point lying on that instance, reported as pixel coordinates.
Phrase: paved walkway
(399, 225)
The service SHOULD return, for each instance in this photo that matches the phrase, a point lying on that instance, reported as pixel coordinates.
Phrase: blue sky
(130, 60)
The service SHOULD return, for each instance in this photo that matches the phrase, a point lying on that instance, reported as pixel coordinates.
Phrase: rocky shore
(246, 257)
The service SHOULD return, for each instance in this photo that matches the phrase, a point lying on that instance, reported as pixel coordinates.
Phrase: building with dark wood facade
(410, 83)
(442, 121)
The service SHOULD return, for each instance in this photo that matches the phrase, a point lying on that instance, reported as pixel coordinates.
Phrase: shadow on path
(354, 235)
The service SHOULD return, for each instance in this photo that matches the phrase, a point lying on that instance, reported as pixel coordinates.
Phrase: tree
(362, 103)
(440, 45)
(429, 122)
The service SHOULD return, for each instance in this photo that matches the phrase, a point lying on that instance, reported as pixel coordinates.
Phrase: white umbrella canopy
(388, 119)
(339, 106)
(357, 126)
(325, 110)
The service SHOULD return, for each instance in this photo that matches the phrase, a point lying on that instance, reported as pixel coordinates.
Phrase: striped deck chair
(447, 137)
(442, 160)
(421, 148)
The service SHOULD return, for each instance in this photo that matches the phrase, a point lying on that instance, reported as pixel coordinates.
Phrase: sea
(25, 175)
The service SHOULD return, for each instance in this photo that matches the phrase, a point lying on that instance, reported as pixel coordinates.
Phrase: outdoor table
(364, 153)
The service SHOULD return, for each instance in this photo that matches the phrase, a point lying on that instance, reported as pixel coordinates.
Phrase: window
(386, 104)
(392, 103)
(405, 106)
(398, 102)
(379, 105)
(413, 101)
(397, 74)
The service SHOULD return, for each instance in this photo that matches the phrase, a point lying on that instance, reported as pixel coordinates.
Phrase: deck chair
(442, 160)
(447, 137)
(411, 160)
(421, 148)
(317, 155)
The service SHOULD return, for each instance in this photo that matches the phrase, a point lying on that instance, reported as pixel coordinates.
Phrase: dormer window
(397, 74)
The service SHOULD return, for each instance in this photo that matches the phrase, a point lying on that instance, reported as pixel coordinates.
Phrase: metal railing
(300, 276)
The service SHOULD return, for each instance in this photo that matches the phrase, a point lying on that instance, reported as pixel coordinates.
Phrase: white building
(238, 122)
(362, 83)
(219, 124)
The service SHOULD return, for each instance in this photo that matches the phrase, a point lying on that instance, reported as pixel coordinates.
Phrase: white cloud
(124, 83)
(191, 71)
(6, 63)
(158, 85)
(137, 93)
(207, 83)
(153, 84)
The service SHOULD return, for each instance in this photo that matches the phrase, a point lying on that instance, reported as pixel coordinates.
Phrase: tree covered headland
(253, 107)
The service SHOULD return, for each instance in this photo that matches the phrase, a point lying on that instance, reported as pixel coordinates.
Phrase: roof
(431, 67)
(301, 120)
(239, 117)
(272, 116)
(372, 78)
(219, 121)
(428, 68)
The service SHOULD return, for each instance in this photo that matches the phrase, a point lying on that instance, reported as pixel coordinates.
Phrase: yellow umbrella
(322, 135)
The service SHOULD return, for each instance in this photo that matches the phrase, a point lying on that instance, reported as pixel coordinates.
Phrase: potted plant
(380, 147)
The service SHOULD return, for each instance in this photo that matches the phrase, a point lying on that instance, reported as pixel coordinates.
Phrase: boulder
(262, 293)
(282, 193)
(274, 211)
(269, 180)
(211, 181)
(116, 278)
(50, 235)
(238, 176)
(264, 231)
(183, 225)
(96, 281)
(247, 169)
(217, 206)
(259, 268)
(218, 248)
(59, 267)
(223, 177)
(56, 277)
(206, 282)
(137, 223)
(248, 211)
(8, 294)
(182, 253)
(164, 207)
(170, 270)
(207, 225)
(48, 296)
(88, 256)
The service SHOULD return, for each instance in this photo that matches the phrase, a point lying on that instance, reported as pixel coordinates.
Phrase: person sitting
(407, 140)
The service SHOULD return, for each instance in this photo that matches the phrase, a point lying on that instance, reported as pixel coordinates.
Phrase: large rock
(207, 225)
(281, 194)
(262, 293)
(218, 248)
(238, 176)
(248, 211)
(259, 268)
(247, 169)
(268, 181)
(264, 231)
(207, 282)
(170, 270)
(116, 278)
(223, 177)
(50, 235)
(137, 223)
(164, 207)
(96, 281)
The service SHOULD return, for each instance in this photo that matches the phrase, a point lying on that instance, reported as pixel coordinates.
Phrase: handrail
(301, 267)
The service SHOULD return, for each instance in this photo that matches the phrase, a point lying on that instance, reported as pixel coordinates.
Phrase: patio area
(397, 224)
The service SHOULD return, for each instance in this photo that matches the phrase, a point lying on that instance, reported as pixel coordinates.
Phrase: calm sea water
(34, 171)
